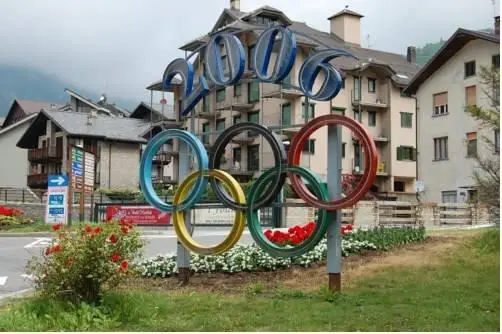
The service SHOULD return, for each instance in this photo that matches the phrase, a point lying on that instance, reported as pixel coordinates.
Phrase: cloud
(121, 46)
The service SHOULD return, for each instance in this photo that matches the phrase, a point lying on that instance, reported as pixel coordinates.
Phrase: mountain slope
(32, 84)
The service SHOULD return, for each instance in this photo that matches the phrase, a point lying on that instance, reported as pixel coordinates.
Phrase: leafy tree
(487, 175)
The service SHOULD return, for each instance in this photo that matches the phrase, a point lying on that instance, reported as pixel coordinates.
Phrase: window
(237, 152)
(440, 103)
(250, 56)
(343, 83)
(406, 119)
(309, 146)
(406, 153)
(399, 186)
(338, 110)
(264, 20)
(255, 118)
(371, 85)
(311, 114)
(470, 69)
(472, 144)
(357, 89)
(220, 95)
(470, 96)
(402, 93)
(343, 149)
(440, 148)
(237, 90)
(224, 62)
(497, 140)
(236, 119)
(205, 131)
(357, 156)
(449, 196)
(371, 118)
(496, 61)
(357, 115)
(286, 114)
(253, 158)
(254, 91)
(220, 124)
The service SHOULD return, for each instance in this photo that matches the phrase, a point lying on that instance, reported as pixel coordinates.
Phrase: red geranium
(115, 257)
(57, 227)
(113, 238)
(123, 265)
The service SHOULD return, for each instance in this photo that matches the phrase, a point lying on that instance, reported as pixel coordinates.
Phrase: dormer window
(265, 20)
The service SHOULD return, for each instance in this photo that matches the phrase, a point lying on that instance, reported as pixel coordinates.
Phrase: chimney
(235, 4)
(497, 25)
(411, 55)
(346, 24)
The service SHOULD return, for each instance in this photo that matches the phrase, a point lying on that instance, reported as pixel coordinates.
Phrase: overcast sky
(121, 46)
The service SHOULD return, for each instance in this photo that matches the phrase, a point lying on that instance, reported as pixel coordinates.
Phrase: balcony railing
(37, 180)
(163, 158)
(372, 100)
(45, 153)
(163, 180)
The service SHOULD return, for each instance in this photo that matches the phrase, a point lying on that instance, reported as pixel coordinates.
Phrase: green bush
(386, 238)
(81, 262)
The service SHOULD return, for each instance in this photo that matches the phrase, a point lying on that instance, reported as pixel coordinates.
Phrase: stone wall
(37, 210)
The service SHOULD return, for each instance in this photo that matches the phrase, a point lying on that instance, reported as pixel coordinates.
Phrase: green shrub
(386, 238)
(488, 242)
(81, 262)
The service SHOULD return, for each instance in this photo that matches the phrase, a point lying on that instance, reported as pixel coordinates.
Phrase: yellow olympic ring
(179, 216)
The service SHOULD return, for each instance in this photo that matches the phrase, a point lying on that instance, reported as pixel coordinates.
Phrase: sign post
(57, 199)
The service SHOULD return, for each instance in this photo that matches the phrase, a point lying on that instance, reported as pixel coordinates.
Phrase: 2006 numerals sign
(260, 62)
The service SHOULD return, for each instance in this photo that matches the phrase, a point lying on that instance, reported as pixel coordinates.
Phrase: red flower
(88, 229)
(268, 234)
(57, 227)
(98, 230)
(62, 235)
(124, 229)
(123, 265)
(113, 238)
(115, 257)
(56, 248)
(48, 250)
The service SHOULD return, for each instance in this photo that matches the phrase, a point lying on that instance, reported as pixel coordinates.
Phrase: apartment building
(372, 94)
(18, 119)
(449, 138)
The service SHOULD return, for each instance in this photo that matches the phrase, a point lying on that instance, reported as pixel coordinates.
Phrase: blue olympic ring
(145, 169)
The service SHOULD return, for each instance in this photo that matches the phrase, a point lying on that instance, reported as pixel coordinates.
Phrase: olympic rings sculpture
(270, 183)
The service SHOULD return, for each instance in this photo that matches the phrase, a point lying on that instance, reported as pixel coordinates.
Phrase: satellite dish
(102, 98)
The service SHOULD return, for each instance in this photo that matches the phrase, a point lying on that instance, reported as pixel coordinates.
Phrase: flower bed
(251, 258)
(11, 218)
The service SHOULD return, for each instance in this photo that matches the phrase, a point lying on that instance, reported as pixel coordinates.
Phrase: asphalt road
(15, 252)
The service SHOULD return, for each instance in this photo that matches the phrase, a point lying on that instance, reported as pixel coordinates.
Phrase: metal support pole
(183, 254)
(334, 242)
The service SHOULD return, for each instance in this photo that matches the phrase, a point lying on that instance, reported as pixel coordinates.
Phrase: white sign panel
(57, 200)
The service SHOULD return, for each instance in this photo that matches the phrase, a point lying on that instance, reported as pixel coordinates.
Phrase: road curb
(15, 295)
(51, 234)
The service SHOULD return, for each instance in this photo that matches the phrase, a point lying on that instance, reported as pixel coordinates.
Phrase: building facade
(449, 138)
(371, 94)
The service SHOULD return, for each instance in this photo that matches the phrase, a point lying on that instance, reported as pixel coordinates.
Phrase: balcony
(157, 180)
(373, 100)
(236, 105)
(45, 154)
(286, 91)
(163, 158)
(209, 115)
(243, 139)
(239, 172)
(37, 181)
(358, 169)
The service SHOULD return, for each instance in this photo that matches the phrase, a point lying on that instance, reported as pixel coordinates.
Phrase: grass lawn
(452, 285)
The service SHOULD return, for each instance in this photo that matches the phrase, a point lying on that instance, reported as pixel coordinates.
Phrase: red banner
(141, 215)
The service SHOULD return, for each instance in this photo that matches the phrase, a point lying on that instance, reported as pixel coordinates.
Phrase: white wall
(13, 160)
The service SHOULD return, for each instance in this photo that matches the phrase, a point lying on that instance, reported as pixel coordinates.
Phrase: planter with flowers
(80, 263)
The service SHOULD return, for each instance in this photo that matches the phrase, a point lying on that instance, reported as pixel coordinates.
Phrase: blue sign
(57, 181)
(76, 165)
(260, 63)
(57, 199)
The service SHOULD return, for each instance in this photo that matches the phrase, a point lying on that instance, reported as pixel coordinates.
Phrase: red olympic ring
(370, 161)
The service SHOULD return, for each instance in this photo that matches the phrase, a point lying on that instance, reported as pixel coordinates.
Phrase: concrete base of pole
(184, 276)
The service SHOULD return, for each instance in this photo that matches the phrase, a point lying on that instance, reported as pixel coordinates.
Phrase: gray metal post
(335, 192)
(183, 254)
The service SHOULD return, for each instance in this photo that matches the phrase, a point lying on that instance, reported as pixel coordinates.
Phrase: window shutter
(399, 153)
(414, 154)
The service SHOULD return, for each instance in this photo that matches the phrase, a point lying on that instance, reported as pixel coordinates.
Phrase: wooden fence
(381, 213)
